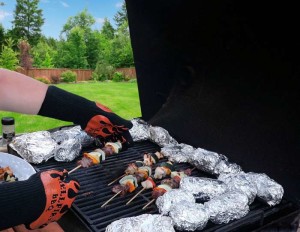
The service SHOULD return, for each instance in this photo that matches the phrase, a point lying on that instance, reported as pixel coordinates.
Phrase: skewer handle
(74, 169)
(111, 199)
(135, 196)
(149, 203)
(116, 180)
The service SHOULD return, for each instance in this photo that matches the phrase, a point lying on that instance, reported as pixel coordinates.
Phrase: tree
(25, 58)
(83, 20)
(72, 53)
(2, 36)
(43, 55)
(121, 51)
(8, 58)
(28, 20)
(121, 16)
(107, 29)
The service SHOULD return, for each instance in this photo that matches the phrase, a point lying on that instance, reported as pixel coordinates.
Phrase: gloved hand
(96, 119)
(60, 191)
(106, 126)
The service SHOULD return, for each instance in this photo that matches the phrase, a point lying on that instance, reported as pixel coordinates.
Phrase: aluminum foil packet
(240, 182)
(76, 133)
(189, 216)
(179, 153)
(204, 160)
(173, 197)
(203, 188)
(225, 167)
(161, 136)
(140, 130)
(268, 189)
(35, 147)
(228, 206)
(68, 150)
(142, 223)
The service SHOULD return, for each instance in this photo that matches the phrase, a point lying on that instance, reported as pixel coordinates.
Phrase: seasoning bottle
(8, 128)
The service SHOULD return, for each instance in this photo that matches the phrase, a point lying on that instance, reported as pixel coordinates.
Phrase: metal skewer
(111, 199)
(116, 179)
(74, 169)
(135, 196)
(149, 203)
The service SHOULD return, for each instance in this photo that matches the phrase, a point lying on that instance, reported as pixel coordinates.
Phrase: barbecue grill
(217, 75)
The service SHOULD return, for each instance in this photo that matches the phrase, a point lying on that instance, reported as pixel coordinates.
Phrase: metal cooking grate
(94, 192)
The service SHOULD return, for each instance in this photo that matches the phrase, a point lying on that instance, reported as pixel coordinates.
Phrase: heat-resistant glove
(36, 202)
(60, 193)
(95, 118)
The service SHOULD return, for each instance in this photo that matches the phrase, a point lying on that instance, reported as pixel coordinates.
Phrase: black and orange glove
(60, 193)
(96, 119)
(36, 202)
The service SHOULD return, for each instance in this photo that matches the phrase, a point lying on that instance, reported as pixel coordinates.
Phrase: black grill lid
(223, 76)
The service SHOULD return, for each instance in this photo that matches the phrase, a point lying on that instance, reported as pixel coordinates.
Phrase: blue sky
(56, 13)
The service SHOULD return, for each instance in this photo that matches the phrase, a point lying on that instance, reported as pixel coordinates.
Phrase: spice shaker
(8, 128)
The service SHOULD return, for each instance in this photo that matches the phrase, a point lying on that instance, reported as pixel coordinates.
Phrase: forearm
(20, 93)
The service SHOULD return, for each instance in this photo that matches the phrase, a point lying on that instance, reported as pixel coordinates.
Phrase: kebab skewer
(130, 182)
(168, 184)
(149, 160)
(97, 156)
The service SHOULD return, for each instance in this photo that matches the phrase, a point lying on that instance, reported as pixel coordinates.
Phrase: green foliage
(93, 46)
(107, 29)
(2, 36)
(83, 20)
(72, 53)
(68, 76)
(121, 54)
(8, 57)
(121, 16)
(118, 77)
(103, 71)
(43, 55)
(43, 79)
(28, 20)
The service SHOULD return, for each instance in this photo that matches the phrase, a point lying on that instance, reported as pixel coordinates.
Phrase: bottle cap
(8, 121)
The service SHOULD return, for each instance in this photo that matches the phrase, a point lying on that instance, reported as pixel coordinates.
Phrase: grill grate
(94, 192)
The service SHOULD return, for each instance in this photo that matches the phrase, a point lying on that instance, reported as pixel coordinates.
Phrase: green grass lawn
(120, 97)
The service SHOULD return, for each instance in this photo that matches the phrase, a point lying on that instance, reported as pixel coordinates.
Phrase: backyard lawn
(120, 97)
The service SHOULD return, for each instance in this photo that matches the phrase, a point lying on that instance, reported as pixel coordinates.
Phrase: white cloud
(4, 14)
(100, 21)
(119, 4)
(64, 4)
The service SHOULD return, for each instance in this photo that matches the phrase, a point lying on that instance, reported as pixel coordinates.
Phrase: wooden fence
(82, 74)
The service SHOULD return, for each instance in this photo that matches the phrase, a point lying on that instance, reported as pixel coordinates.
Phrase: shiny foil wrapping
(204, 160)
(35, 147)
(189, 216)
(179, 153)
(267, 189)
(240, 182)
(75, 132)
(161, 136)
(173, 197)
(68, 150)
(225, 167)
(203, 188)
(142, 223)
(140, 130)
(228, 206)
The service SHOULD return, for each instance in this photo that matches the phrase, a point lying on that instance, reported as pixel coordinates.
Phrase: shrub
(43, 79)
(68, 76)
(103, 72)
(54, 79)
(118, 76)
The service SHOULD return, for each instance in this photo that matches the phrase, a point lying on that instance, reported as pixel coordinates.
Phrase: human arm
(20, 93)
